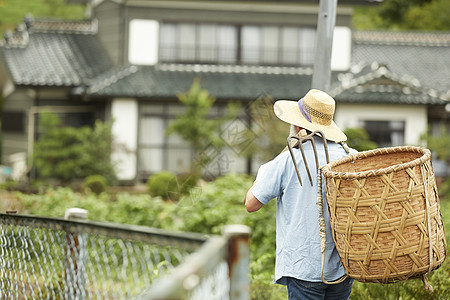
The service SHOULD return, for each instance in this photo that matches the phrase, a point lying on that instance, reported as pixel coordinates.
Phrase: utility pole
(324, 42)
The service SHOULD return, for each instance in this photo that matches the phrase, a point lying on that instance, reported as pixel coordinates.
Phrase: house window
(168, 42)
(13, 122)
(151, 144)
(297, 46)
(246, 44)
(386, 133)
(278, 45)
(77, 120)
(188, 42)
(157, 150)
(251, 44)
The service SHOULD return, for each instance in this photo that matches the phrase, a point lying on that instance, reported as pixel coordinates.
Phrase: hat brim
(289, 112)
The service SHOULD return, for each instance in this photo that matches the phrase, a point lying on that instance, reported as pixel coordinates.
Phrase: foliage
(358, 138)
(263, 288)
(163, 184)
(430, 16)
(213, 205)
(405, 15)
(439, 144)
(196, 126)
(186, 182)
(12, 12)
(1, 138)
(167, 185)
(125, 209)
(207, 210)
(68, 153)
(267, 133)
(95, 183)
(9, 184)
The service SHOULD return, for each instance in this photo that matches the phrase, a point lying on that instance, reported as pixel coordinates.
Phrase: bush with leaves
(358, 138)
(196, 126)
(404, 15)
(66, 153)
(163, 184)
(95, 183)
(268, 135)
(207, 209)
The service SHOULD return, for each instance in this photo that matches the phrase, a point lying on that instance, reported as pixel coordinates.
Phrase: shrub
(95, 183)
(208, 209)
(163, 184)
(9, 185)
(187, 182)
(359, 139)
(67, 153)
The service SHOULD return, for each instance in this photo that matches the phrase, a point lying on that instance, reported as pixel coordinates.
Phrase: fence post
(238, 260)
(76, 254)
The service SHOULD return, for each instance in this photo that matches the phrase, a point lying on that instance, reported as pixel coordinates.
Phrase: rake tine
(325, 146)
(300, 145)
(300, 141)
(293, 157)
(316, 158)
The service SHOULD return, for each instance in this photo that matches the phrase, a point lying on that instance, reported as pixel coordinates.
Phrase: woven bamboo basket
(385, 214)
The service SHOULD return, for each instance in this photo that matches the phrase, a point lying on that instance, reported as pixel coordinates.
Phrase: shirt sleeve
(268, 183)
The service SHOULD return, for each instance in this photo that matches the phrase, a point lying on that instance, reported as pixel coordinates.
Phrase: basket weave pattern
(385, 214)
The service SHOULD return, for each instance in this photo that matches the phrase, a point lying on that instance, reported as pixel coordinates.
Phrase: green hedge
(207, 209)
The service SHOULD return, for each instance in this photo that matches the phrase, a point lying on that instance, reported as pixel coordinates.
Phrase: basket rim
(426, 155)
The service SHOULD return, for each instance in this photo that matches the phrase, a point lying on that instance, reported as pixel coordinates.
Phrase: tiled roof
(402, 38)
(387, 68)
(224, 82)
(371, 84)
(423, 56)
(377, 84)
(71, 26)
(55, 54)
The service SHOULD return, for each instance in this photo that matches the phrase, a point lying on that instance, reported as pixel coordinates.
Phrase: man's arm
(251, 203)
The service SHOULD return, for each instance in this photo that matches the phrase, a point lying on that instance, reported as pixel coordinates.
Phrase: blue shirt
(298, 252)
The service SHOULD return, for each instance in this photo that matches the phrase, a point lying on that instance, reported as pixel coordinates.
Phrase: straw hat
(314, 111)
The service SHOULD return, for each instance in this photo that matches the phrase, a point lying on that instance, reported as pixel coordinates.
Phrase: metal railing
(72, 258)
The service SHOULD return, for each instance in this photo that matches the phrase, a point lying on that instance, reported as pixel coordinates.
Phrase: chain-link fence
(50, 258)
(218, 271)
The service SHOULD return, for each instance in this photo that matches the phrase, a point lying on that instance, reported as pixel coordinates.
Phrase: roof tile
(62, 58)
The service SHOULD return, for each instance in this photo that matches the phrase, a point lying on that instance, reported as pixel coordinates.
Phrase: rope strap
(427, 286)
(322, 230)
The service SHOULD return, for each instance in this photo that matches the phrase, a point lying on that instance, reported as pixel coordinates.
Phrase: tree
(12, 12)
(196, 127)
(67, 153)
(440, 144)
(405, 15)
(431, 16)
(358, 139)
(267, 133)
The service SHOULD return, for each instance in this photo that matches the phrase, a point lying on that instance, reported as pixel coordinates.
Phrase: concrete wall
(414, 116)
(124, 112)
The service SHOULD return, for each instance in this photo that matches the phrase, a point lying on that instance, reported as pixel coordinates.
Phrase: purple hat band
(301, 105)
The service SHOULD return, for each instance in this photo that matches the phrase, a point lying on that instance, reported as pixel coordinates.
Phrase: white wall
(124, 113)
(414, 116)
(143, 42)
(341, 49)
